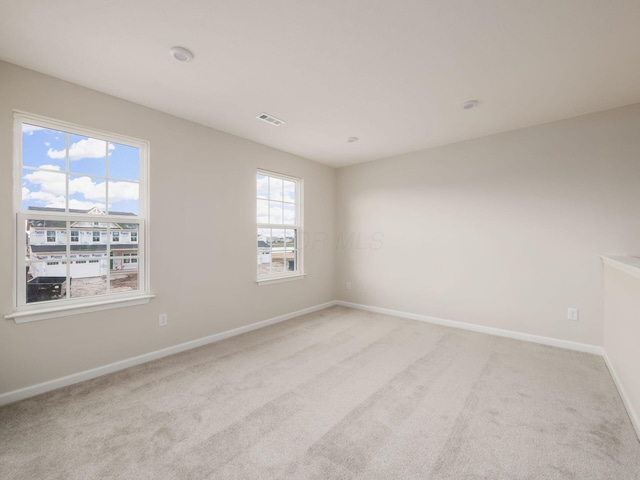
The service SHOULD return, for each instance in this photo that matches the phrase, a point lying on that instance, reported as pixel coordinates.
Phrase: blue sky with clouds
(45, 183)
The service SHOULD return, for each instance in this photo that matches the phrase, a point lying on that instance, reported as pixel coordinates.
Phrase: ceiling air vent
(265, 117)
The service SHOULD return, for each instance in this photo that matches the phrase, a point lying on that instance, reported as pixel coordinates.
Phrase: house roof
(47, 223)
(80, 248)
(58, 224)
(263, 244)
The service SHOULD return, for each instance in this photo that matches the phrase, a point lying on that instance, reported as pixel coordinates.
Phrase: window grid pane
(71, 173)
(92, 266)
(277, 219)
(66, 175)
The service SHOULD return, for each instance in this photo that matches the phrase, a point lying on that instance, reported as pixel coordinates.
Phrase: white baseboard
(33, 390)
(635, 420)
(554, 342)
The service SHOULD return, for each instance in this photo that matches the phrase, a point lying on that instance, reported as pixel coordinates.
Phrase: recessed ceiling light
(181, 54)
(470, 104)
(352, 139)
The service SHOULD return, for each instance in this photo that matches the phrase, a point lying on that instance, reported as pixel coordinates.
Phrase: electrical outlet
(572, 313)
(348, 285)
(163, 320)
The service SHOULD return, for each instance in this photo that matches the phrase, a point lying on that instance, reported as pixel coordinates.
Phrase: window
(134, 237)
(278, 226)
(75, 180)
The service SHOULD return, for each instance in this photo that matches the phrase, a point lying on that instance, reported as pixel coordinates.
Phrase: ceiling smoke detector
(265, 117)
(470, 104)
(181, 54)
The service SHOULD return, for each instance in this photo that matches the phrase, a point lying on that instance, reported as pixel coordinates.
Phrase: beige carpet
(338, 394)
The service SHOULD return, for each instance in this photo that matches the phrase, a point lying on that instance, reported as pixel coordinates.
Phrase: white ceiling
(394, 74)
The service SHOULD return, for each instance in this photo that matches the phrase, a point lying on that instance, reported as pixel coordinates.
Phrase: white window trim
(299, 274)
(86, 307)
(45, 310)
(279, 279)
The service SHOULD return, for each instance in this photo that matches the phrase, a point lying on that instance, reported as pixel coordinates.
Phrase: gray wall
(503, 231)
(201, 179)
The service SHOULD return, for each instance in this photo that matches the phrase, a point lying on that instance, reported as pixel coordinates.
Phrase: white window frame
(27, 312)
(299, 273)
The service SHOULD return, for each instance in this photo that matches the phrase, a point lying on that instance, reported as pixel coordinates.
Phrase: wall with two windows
(202, 230)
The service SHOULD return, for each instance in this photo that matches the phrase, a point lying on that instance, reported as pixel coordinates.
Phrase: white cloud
(56, 154)
(119, 191)
(289, 215)
(273, 212)
(278, 187)
(80, 205)
(49, 181)
(263, 187)
(29, 129)
(59, 202)
(86, 187)
(275, 188)
(49, 188)
(289, 191)
(263, 212)
(85, 148)
(49, 198)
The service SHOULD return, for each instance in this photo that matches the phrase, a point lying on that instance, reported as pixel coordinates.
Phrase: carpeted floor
(338, 394)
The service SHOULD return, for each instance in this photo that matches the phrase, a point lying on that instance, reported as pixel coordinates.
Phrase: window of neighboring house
(279, 226)
(71, 176)
(134, 237)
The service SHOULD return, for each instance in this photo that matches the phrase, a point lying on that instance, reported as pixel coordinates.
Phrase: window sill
(76, 309)
(630, 265)
(287, 278)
